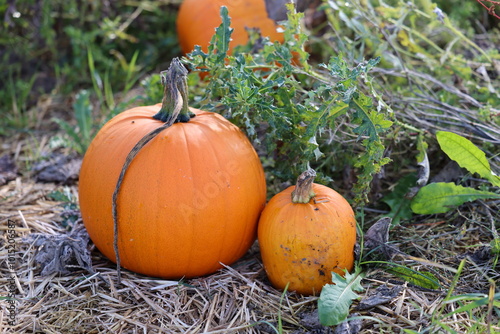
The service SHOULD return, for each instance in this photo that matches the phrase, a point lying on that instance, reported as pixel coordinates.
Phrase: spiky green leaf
(336, 299)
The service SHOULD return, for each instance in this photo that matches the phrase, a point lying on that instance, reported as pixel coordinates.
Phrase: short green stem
(303, 191)
(175, 96)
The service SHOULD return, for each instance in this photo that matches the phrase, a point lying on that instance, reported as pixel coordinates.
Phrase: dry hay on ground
(237, 299)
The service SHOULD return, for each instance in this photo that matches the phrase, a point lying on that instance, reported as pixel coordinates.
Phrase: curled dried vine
(174, 101)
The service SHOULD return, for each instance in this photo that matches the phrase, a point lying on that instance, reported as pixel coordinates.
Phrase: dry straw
(236, 299)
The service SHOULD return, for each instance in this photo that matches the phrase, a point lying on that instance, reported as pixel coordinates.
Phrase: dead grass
(239, 299)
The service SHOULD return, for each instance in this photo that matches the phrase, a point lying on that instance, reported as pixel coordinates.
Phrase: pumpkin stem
(175, 97)
(174, 109)
(303, 189)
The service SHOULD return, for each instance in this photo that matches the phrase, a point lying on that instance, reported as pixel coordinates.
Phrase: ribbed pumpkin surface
(190, 199)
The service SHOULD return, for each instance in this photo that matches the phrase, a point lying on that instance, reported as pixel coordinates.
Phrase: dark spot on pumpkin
(133, 122)
(316, 209)
(321, 272)
(285, 248)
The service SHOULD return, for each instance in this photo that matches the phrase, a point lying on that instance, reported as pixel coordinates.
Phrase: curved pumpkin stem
(175, 97)
(174, 109)
(303, 189)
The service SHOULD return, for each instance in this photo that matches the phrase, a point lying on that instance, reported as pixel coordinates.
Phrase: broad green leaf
(467, 155)
(441, 197)
(336, 299)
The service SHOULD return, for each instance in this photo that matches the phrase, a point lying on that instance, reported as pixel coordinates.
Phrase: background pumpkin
(197, 20)
(191, 198)
(306, 234)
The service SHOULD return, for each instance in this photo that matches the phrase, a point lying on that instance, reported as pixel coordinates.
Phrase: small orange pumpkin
(197, 20)
(306, 232)
(190, 200)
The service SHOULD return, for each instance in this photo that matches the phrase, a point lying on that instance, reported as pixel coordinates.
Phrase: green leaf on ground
(467, 155)
(422, 279)
(441, 197)
(336, 299)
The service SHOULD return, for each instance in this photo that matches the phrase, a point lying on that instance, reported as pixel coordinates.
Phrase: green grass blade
(83, 114)
(469, 306)
(108, 92)
(131, 69)
(94, 75)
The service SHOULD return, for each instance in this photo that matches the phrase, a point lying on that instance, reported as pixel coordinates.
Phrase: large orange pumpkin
(190, 199)
(197, 20)
(306, 232)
